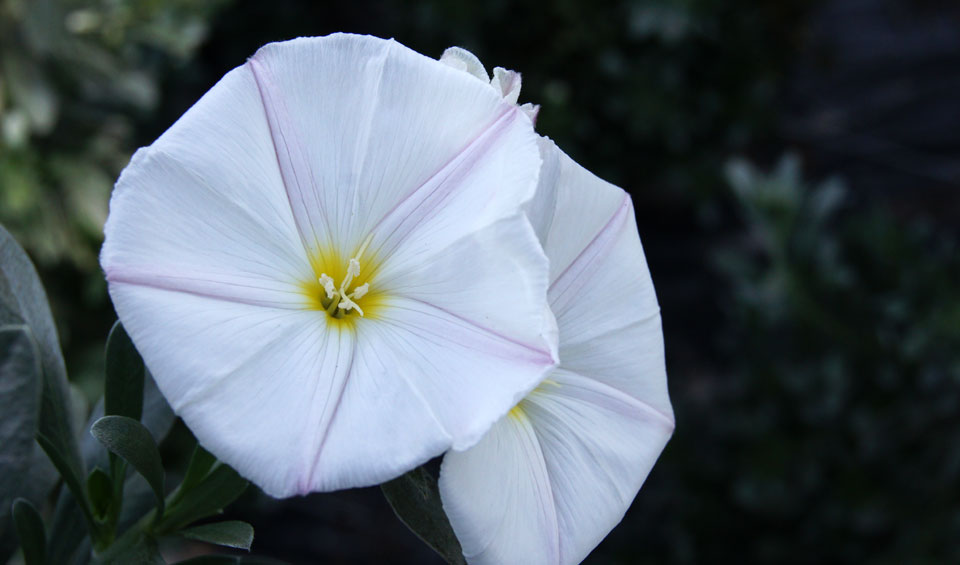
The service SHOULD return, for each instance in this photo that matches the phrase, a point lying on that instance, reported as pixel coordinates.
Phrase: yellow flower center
(344, 294)
(340, 301)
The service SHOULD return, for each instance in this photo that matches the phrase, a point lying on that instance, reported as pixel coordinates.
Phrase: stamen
(360, 291)
(327, 283)
(363, 247)
(341, 299)
(353, 270)
(346, 304)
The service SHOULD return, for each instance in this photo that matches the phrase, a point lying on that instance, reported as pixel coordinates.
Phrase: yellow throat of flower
(342, 288)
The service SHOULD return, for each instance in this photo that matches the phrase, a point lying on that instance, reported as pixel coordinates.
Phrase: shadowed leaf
(123, 389)
(30, 530)
(131, 441)
(232, 533)
(218, 489)
(415, 498)
(20, 381)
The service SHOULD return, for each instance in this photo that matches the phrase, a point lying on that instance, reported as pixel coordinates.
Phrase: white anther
(346, 304)
(354, 269)
(339, 297)
(327, 283)
(361, 290)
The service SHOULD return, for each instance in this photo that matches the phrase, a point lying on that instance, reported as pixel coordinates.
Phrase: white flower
(505, 83)
(326, 266)
(551, 479)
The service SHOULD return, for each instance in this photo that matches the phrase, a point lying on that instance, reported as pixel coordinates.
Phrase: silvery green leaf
(100, 491)
(123, 388)
(67, 530)
(30, 530)
(217, 490)
(231, 533)
(415, 498)
(200, 464)
(23, 301)
(131, 441)
(20, 381)
(142, 550)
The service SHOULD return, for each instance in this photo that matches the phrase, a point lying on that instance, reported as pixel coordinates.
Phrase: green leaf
(232, 533)
(199, 467)
(122, 396)
(217, 490)
(123, 387)
(68, 531)
(30, 530)
(23, 301)
(140, 549)
(157, 416)
(20, 381)
(70, 476)
(415, 498)
(130, 440)
(100, 491)
(65, 534)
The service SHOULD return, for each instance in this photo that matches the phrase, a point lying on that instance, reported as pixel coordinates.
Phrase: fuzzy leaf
(100, 491)
(217, 490)
(123, 390)
(20, 381)
(131, 441)
(67, 530)
(232, 533)
(200, 464)
(415, 498)
(30, 530)
(142, 550)
(23, 301)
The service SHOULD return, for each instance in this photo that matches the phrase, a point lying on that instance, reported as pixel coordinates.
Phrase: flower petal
(550, 481)
(570, 208)
(498, 498)
(390, 121)
(601, 291)
(493, 308)
(423, 379)
(507, 83)
(218, 222)
(299, 406)
(489, 180)
(225, 366)
(463, 60)
(601, 419)
(502, 286)
(599, 446)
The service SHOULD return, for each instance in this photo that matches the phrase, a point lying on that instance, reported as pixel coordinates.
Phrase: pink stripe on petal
(427, 200)
(298, 178)
(530, 353)
(236, 291)
(591, 389)
(575, 277)
(334, 394)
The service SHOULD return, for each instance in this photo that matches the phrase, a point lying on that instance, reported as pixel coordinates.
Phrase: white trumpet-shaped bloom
(326, 265)
(554, 476)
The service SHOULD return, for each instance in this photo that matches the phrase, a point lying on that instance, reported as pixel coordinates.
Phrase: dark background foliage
(794, 166)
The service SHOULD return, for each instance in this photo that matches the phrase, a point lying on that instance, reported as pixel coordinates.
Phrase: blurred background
(795, 167)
